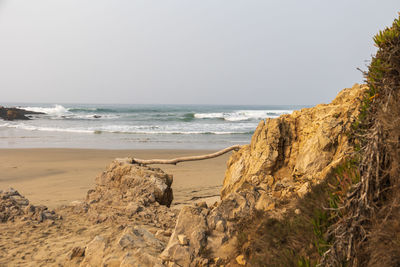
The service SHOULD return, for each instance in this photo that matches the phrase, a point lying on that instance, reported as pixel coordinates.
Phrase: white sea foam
(209, 115)
(27, 127)
(243, 115)
(56, 110)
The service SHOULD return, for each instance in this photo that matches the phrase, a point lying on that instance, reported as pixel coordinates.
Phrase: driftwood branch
(190, 158)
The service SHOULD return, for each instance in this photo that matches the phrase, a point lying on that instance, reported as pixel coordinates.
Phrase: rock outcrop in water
(11, 114)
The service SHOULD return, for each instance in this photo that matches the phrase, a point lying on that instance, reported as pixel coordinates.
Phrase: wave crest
(243, 115)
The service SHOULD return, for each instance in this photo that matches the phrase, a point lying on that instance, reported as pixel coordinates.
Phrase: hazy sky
(186, 52)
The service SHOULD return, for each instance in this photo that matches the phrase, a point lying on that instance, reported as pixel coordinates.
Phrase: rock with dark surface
(11, 114)
(14, 207)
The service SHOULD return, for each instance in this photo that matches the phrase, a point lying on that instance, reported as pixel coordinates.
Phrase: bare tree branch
(182, 159)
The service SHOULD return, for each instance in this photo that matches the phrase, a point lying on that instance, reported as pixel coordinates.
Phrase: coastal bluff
(126, 220)
(299, 149)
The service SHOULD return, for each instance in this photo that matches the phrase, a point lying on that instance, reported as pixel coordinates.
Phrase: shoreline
(58, 176)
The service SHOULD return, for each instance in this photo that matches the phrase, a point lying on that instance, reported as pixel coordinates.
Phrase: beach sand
(54, 177)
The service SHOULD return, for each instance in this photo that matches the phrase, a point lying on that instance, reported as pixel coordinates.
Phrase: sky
(186, 52)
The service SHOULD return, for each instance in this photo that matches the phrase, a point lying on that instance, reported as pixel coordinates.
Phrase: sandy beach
(54, 177)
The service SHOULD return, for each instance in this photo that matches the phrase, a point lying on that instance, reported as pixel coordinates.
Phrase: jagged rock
(303, 189)
(265, 202)
(220, 226)
(131, 190)
(135, 237)
(13, 207)
(191, 223)
(94, 252)
(11, 114)
(234, 207)
(140, 258)
(305, 145)
(123, 183)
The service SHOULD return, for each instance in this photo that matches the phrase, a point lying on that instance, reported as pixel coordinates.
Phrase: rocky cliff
(296, 150)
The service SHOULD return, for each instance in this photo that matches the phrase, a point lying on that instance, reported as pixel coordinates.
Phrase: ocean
(136, 126)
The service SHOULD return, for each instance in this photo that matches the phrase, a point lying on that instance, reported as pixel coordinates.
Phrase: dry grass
(367, 233)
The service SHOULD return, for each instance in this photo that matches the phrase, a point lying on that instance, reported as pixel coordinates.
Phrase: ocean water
(136, 126)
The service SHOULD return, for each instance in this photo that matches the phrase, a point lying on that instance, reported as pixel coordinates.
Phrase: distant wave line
(99, 131)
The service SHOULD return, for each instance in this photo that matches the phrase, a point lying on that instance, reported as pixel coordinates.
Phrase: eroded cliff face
(299, 149)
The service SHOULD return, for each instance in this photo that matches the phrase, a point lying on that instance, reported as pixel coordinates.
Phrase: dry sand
(53, 177)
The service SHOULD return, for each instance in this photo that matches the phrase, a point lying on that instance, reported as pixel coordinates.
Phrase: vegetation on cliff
(368, 232)
(352, 217)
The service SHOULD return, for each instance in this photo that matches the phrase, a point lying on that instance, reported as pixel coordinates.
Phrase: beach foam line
(100, 130)
(23, 126)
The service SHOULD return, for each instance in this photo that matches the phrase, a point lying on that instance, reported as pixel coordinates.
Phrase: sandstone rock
(130, 184)
(303, 189)
(265, 203)
(94, 252)
(13, 207)
(215, 240)
(305, 144)
(129, 190)
(183, 240)
(191, 223)
(140, 258)
(220, 226)
(135, 237)
(235, 206)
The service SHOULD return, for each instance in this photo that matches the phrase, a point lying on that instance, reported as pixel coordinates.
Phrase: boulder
(132, 186)
(94, 252)
(136, 237)
(189, 237)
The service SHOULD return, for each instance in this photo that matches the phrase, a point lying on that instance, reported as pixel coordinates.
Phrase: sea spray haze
(136, 126)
